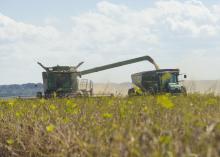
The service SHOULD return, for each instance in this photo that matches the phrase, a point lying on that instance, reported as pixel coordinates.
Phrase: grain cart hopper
(157, 81)
(62, 81)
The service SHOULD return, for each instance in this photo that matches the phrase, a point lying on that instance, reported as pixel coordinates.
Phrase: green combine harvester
(62, 81)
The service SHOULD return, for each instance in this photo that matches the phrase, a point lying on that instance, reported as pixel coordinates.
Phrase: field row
(139, 126)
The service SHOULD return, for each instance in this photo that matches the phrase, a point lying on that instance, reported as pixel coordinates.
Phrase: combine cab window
(63, 81)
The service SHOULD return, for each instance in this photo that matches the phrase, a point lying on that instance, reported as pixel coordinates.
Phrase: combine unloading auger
(118, 64)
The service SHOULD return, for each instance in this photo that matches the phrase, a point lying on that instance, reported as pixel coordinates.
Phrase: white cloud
(191, 16)
(12, 30)
(111, 9)
(170, 31)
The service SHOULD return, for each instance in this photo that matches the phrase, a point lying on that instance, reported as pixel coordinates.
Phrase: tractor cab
(169, 81)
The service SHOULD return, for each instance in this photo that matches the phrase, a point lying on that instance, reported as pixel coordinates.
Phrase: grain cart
(62, 81)
(157, 81)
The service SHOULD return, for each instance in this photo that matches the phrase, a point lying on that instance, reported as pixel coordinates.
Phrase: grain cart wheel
(152, 91)
(131, 92)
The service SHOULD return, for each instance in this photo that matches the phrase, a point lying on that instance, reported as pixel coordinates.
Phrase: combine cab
(157, 81)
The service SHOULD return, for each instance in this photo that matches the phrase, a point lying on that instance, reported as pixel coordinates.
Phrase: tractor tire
(184, 91)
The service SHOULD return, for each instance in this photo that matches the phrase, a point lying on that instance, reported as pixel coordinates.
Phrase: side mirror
(185, 76)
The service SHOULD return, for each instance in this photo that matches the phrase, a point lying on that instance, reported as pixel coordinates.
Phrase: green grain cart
(157, 81)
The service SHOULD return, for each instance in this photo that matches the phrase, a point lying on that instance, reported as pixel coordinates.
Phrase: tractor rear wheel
(184, 91)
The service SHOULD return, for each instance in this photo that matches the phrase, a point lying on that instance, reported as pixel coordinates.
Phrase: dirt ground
(192, 87)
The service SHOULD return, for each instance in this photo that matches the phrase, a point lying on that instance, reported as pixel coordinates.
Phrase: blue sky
(32, 10)
(36, 11)
(177, 34)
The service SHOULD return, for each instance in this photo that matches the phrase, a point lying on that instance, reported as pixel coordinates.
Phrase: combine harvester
(62, 81)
